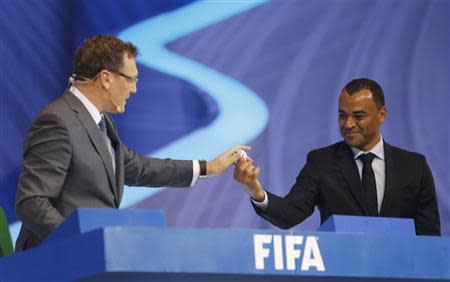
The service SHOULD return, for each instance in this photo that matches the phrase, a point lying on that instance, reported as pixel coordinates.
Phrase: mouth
(350, 133)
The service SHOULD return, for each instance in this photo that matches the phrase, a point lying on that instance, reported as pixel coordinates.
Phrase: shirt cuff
(261, 205)
(195, 171)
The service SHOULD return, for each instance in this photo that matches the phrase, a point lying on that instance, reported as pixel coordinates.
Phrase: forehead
(358, 100)
(129, 64)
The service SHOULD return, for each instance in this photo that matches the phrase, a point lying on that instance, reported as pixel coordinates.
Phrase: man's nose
(133, 88)
(349, 122)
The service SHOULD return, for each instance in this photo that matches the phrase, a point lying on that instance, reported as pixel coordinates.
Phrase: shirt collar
(93, 111)
(377, 150)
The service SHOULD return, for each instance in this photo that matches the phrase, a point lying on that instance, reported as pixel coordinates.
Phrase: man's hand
(222, 162)
(247, 174)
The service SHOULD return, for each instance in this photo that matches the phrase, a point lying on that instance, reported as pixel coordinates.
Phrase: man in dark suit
(73, 155)
(362, 175)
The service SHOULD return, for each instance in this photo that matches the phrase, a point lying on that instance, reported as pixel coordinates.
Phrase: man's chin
(118, 109)
(352, 142)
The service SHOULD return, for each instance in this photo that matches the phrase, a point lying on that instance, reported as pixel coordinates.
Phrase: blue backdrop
(214, 74)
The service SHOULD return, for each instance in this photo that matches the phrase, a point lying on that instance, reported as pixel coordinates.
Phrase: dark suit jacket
(67, 166)
(330, 180)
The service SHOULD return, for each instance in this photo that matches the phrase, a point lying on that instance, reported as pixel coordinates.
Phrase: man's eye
(358, 117)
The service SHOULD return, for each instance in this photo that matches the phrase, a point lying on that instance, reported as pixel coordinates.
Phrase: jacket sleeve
(46, 158)
(427, 220)
(298, 204)
(153, 172)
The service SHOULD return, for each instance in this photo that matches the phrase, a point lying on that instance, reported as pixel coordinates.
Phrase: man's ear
(382, 112)
(105, 79)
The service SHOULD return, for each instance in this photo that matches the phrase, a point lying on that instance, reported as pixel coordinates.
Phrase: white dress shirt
(378, 167)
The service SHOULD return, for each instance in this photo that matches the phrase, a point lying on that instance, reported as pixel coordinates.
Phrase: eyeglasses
(129, 78)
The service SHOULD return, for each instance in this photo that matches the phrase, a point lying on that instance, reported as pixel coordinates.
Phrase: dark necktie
(369, 184)
(112, 153)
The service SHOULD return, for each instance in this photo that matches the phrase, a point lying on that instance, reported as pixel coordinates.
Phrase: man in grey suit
(361, 175)
(73, 155)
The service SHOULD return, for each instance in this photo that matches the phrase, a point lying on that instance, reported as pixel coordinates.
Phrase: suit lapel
(349, 169)
(390, 179)
(94, 135)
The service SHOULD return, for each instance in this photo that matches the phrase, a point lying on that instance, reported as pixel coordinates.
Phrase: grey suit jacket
(67, 165)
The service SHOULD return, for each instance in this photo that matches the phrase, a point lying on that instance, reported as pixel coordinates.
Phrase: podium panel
(87, 219)
(369, 225)
(132, 253)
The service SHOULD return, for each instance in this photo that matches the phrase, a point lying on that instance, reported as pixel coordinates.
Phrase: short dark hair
(101, 52)
(359, 84)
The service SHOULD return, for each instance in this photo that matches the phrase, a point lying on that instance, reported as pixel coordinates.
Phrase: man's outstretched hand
(224, 161)
(247, 174)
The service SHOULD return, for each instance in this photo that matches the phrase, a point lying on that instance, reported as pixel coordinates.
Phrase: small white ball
(241, 153)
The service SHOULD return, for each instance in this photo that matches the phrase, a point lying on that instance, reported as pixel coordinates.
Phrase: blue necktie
(112, 153)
